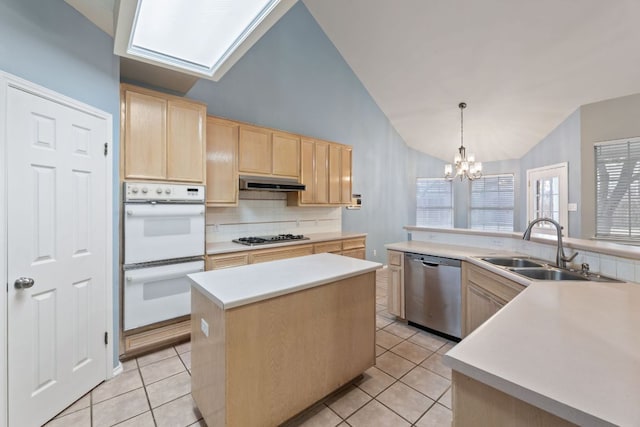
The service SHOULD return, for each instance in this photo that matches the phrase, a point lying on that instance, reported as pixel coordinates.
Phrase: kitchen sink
(548, 274)
(513, 262)
(542, 273)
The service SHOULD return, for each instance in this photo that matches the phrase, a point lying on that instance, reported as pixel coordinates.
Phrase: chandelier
(465, 166)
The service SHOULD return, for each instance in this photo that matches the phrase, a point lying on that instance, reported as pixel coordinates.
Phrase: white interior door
(56, 221)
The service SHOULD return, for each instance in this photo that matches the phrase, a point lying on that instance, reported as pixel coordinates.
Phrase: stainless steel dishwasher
(432, 293)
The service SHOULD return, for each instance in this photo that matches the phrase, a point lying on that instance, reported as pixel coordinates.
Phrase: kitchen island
(271, 339)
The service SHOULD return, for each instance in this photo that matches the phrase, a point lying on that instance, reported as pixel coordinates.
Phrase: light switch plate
(572, 207)
(204, 327)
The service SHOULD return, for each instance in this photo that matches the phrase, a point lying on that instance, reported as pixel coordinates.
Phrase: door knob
(23, 283)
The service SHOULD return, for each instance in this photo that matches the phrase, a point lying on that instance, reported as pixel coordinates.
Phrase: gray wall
(49, 43)
(294, 79)
(561, 145)
(608, 120)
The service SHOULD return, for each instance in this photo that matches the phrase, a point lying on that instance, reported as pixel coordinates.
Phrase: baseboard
(117, 370)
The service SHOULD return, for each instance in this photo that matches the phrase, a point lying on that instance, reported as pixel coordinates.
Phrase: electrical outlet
(204, 327)
(375, 253)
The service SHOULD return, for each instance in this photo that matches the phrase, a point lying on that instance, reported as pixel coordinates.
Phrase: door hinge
(106, 148)
(106, 338)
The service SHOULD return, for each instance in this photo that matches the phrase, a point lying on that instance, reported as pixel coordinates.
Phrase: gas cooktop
(263, 240)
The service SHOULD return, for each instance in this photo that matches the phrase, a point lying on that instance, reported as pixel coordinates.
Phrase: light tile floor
(409, 386)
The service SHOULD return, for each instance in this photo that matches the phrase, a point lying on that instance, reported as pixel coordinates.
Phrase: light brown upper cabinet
(326, 172)
(321, 162)
(286, 155)
(314, 174)
(254, 150)
(339, 174)
(163, 136)
(345, 174)
(335, 174)
(222, 162)
(266, 152)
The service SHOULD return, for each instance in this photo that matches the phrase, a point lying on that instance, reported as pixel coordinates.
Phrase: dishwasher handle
(430, 265)
(431, 261)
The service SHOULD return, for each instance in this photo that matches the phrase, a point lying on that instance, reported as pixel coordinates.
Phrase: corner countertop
(215, 248)
(462, 253)
(235, 287)
(572, 349)
(569, 348)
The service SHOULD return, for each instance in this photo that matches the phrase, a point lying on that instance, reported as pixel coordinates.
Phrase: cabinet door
(286, 155)
(222, 162)
(395, 292)
(322, 172)
(334, 173)
(345, 175)
(144, 150)
(307, 171)
(185, 141)
(254, 150)
(480, 306)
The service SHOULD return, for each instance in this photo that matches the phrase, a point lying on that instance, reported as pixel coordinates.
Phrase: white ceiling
(522, 66)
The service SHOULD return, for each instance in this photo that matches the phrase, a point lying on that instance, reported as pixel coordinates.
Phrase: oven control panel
(162, 192)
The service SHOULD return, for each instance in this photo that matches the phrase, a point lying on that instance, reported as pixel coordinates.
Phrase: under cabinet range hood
(270, 184)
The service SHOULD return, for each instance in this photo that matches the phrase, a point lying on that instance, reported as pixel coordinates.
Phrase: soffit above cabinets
(141, 72)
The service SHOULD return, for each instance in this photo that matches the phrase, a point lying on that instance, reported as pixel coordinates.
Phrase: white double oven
(164, 240)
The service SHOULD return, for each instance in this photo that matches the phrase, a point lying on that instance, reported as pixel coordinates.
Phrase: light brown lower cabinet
(332, 247)
(395, 283)
(262, 363)
(235, 259)
(280, 253)
(483, 294)
(478, 405)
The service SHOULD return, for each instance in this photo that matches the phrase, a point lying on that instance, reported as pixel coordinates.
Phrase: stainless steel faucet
(561, 258)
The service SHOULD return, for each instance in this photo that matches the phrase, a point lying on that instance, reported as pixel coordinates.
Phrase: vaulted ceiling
(521, 66)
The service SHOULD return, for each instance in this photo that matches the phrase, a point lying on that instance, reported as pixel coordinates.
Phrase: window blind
(618, 190)
(492, 200)
(434, 201)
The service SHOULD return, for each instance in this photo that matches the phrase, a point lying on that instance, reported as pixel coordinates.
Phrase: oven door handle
(164, 211)
(132, 278)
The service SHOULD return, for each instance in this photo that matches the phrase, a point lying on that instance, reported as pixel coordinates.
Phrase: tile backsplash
(263, 213)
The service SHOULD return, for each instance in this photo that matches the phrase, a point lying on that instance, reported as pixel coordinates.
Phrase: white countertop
(570, 348)
(448, 251)
(238, 286)
(214, 248)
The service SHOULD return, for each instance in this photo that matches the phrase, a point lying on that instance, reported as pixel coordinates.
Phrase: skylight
(197, 36)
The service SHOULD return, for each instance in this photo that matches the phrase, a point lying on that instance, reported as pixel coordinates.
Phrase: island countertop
(238, 286)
